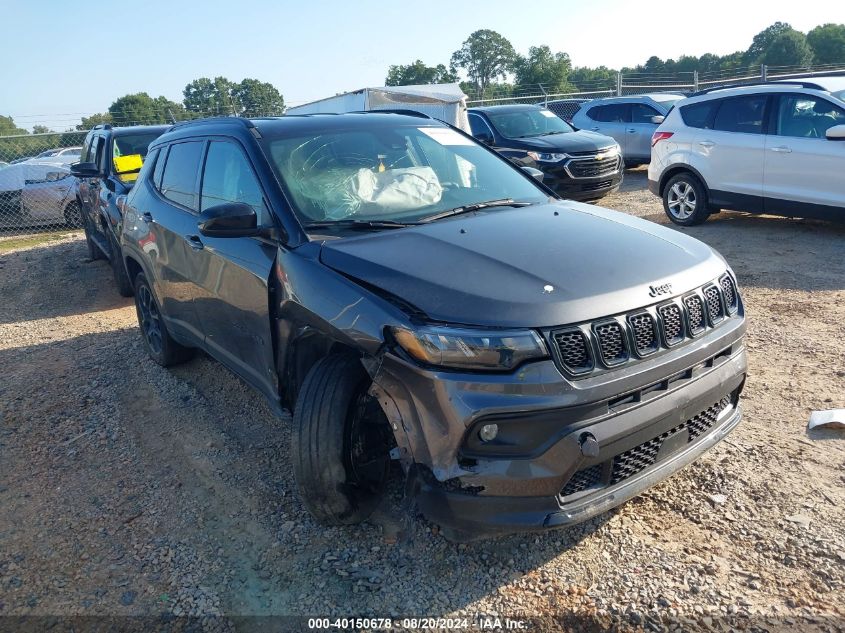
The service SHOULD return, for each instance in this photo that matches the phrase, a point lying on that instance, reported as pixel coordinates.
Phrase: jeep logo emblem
(656, 291)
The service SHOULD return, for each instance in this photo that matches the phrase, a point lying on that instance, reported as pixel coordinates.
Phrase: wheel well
(132, 268)
(301, 356)
(671, 173)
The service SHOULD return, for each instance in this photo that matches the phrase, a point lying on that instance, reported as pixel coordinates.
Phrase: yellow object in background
(381, 166)
(131, 162)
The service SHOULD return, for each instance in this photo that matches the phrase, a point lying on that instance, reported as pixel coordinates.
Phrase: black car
(418, 300)
(110, 161)
(578, 165)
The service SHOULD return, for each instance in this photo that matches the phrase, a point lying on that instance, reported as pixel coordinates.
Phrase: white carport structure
(446, 102)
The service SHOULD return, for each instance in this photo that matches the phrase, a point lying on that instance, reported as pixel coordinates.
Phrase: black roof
(136, 129)
(513, 107)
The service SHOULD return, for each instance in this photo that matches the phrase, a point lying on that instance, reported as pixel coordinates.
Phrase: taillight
(120, 202)
(660, 136)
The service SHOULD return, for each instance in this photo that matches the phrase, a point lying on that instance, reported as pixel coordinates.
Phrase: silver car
(629, 120)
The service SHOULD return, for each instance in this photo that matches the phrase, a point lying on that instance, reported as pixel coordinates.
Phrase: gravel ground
(128, 489)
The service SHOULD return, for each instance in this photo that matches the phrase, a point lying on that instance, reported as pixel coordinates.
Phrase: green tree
(789, 48)
(418, 73)
(95, 119)
(828, 43)
(541, 66)
(599, 78)
(8, 127)
(256, 98)
(485, 56)
(41, 129)
(762, 41)
(141, 109)
(207, 97)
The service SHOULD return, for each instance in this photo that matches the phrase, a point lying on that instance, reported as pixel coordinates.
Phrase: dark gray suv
(417, 299)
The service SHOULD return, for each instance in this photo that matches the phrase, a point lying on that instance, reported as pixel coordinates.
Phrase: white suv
(774, 148)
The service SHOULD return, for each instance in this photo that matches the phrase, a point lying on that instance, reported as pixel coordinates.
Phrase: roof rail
(236, 120)
(801, 84)
(415, 113)
(103, 126)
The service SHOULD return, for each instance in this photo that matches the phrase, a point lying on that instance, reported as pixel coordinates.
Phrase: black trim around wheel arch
(673, 170)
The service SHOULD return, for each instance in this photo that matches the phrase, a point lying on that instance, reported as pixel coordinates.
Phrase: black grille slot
(645, 333)
(673, 323)
(593, 167)
(595, 186)
(695, 314)
(637, 459)
(612, 343)
(583, 479)
(714, 304)
(729, 292)
(574, 350)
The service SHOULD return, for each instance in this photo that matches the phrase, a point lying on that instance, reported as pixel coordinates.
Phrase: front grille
(574, 352)
(645, 333)
(673, 323)
(714, 304)
(583, 479)
(695, 314)
(640, 457)
(593, 167)
(729, 292)
(612, 343)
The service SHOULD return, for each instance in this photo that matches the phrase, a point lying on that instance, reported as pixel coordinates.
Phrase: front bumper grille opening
(705, 420)
(574, 351)
(582, 480)
(673, 324)
(729, 292)
(612, 345)
(695, 314)
(715, 313)
(645, 333)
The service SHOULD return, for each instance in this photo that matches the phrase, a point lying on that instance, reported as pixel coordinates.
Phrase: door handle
(781, 149)
(631, 131)
(146, 216)
(595, 129)
(195, 242)
(706, 143)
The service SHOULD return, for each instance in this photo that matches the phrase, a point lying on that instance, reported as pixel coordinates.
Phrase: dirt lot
(128, 489)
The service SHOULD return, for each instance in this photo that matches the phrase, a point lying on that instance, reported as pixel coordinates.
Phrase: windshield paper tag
(548, 113)
(445, 136)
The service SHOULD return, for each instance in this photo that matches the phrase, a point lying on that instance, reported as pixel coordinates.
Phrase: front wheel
(340, 443)
(685, 200)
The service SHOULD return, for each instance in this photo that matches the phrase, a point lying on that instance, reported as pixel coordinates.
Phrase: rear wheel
(121, 278)
(685, 200)
(340, 443)
(160, 346)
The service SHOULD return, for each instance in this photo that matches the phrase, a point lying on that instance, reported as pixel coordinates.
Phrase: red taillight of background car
(660, 136)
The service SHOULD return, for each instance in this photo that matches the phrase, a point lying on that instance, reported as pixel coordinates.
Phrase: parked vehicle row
(775, 148)
(417, 298)
(37, 192)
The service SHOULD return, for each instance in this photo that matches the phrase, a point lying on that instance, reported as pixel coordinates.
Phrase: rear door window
(743, 115)
(179, 179)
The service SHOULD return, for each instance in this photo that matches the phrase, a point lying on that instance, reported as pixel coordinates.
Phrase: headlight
(469, 348)
(550, 158)
(611, 151)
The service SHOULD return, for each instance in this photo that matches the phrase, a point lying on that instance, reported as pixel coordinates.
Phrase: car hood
(537, 266)
(568, 142)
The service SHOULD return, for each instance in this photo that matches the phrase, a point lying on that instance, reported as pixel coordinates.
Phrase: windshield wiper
(357, 225)
(503, 202)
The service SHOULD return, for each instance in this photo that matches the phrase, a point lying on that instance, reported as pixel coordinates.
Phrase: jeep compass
(417, 299)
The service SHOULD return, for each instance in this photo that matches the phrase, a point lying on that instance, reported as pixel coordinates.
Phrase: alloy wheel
(681, 200)
(150, 319)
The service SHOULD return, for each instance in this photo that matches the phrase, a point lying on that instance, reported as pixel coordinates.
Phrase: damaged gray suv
(416, 299)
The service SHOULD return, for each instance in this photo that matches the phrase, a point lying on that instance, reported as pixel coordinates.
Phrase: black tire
(94, 251)
(121, 278)
(340, 443)
(73, 215)
(685, 200)
(160, 346)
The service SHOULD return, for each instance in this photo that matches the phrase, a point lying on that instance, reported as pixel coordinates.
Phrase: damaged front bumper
(640, 427)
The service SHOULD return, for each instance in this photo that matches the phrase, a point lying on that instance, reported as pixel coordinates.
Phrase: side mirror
(231, 219)
(836, 133)
(84, 170)
(485, 138)
(536, 174)
(657, 120)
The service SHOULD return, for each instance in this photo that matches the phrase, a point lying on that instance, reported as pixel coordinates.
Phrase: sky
(66, 59)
